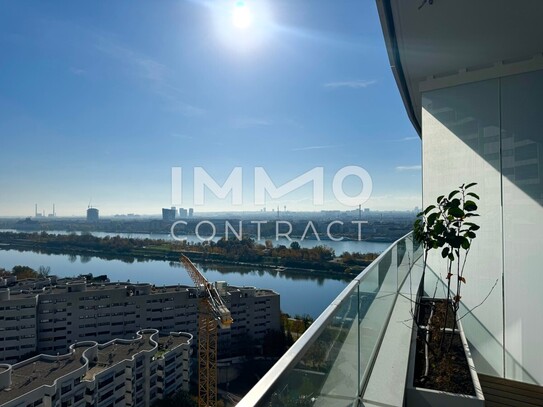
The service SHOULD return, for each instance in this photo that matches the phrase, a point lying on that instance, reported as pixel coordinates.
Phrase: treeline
(233, 250)
(23, 272)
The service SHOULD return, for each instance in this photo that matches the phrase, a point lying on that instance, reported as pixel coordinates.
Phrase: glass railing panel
(418, 249)
(375, 308)
(404, 260)
(330, 364)
(387, 266)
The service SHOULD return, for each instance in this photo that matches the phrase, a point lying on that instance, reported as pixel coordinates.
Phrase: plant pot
(426, 397)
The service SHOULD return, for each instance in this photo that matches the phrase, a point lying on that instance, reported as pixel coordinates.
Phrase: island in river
(319, 259)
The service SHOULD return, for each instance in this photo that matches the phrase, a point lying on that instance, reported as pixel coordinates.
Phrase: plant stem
(447, 301)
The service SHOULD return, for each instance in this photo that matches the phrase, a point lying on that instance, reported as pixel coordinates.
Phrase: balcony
(357, 347)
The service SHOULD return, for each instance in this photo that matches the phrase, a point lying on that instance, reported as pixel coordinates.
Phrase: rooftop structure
(49, 315)
(101, 374)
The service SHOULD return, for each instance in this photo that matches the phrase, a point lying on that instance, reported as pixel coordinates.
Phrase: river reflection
(300, 293)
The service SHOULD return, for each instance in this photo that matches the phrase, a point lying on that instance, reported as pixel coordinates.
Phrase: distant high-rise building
(93, 215)
(168, 214)
(191, 212)
(183, 213)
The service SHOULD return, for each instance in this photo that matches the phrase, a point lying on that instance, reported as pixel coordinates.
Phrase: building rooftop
(116, 351)
(172, 341)
(44, 370)
(264, 293)
(40, 371)
(32, 288)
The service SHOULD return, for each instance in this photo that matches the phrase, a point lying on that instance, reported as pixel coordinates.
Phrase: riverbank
(318, 261)
(301, 293)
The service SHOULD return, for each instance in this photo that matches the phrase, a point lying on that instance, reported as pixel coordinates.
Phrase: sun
(242, 17)
(242, 25)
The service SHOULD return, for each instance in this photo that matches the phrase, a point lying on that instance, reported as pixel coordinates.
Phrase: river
(300, 294)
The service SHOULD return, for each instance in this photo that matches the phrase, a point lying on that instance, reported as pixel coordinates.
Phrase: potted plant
(441, 371)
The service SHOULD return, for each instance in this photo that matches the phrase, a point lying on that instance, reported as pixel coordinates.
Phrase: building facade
(121, 372)
(471, 78)
(48, 316)
(93, 215)
(169, 214)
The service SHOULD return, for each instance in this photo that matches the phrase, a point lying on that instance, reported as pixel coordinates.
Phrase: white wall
(522, 162)
(473, 133)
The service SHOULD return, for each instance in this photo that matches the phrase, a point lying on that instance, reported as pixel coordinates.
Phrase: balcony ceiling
(449, 36)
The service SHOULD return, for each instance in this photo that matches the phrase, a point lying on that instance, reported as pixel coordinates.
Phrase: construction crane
(212, 313)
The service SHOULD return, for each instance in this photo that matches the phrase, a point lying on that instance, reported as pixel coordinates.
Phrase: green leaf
(455, 202)
(456, 212)
(432, 218)
(473, 194)
(453, 193)
(428, 209)
(465, 243)
(440, 198)
(470, 185)
(455, 242)
(470, 234)
(470, 206)
(445, 252)
(451, 257)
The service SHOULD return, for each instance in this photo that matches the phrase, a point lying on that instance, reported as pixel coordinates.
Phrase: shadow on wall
(504, 134)
(435, 284)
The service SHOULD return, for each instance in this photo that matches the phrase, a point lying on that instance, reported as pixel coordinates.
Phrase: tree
(22, 272)
(295, 246)
(44, 271)
(180, 399)
(447, 226)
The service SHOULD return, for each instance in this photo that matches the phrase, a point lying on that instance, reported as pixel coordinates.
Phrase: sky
(99, 100)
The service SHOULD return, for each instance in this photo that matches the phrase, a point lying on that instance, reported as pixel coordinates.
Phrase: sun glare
(242, 17)
(243, 25)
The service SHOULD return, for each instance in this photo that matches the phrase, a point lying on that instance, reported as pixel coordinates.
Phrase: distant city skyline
(100, 100)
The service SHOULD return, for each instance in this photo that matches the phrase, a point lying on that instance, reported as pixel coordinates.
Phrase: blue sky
(98, 100)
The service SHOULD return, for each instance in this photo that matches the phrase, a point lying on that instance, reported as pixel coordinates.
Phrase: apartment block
(255, 312)
(18, 325)
(121, 372)
(50, 318)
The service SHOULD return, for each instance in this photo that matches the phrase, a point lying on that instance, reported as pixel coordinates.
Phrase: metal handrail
(299, 348)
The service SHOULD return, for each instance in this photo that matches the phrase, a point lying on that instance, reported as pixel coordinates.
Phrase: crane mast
(212, 313)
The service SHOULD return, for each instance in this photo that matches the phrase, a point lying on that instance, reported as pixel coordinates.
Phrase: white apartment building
(122, 372)
(49, 318)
